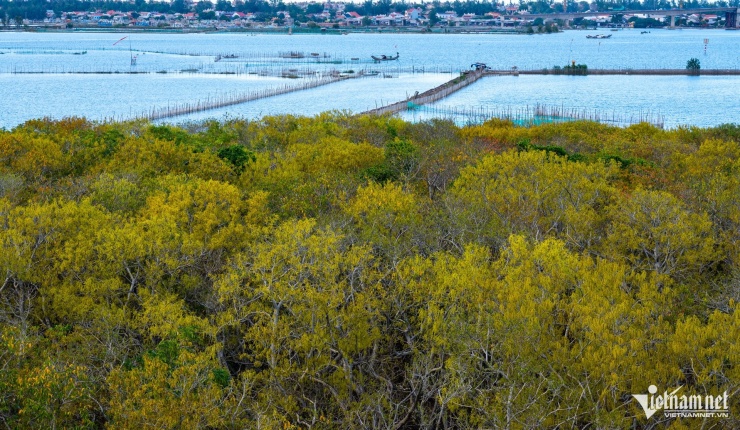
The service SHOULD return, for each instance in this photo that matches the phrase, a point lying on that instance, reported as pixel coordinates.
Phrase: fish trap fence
(534, 115)
(224, 100)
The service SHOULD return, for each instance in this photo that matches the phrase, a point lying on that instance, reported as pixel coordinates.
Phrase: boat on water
(598, 36)
(225, 57)
(384, 57)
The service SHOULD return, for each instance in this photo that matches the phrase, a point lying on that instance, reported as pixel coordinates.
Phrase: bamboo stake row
(540, 114)
(157, 113)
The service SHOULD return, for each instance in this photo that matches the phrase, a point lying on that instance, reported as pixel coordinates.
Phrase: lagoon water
(89, 74)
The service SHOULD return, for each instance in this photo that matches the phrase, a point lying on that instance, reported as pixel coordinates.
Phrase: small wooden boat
(384, 57)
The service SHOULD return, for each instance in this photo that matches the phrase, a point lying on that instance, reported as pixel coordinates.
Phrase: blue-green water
(178, 68)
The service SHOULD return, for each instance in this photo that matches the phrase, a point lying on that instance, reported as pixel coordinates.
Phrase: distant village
(335, 15)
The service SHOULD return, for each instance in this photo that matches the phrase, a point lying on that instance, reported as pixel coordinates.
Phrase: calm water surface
(674, 100)
(85, 74)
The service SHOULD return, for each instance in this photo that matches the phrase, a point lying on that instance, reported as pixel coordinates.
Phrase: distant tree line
(11, 11)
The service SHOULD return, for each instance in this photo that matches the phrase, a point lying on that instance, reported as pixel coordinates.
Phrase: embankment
(430, 96)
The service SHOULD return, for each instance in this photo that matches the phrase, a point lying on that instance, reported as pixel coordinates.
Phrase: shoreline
(640, 72)
(277, 31)
(332, 31)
